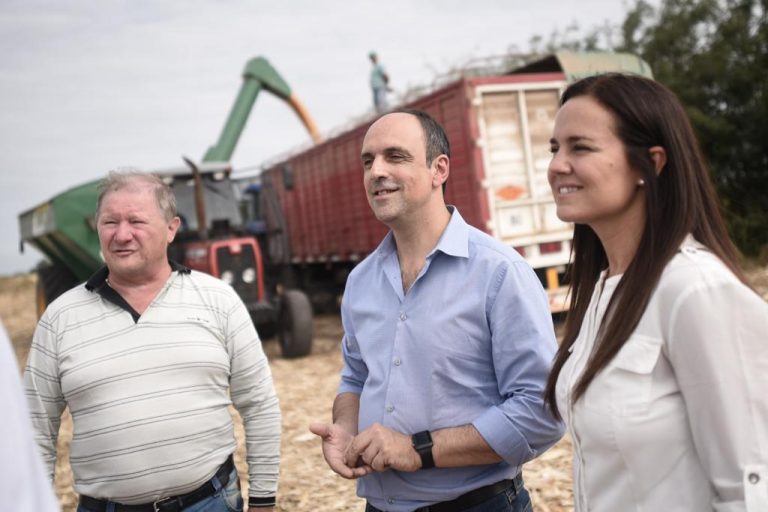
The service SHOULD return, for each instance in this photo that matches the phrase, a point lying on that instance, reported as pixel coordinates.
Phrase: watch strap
(422, 443)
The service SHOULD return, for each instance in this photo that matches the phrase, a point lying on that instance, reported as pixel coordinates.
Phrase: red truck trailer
(318, 224)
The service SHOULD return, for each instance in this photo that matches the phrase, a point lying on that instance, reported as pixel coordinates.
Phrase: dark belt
(472, 498)
(171, 504)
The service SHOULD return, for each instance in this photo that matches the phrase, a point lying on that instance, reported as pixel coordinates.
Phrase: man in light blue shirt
(448, 343)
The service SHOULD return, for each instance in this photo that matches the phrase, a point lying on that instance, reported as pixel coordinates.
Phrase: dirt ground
(306, 388)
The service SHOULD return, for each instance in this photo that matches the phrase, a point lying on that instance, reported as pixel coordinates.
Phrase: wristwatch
(422, 443)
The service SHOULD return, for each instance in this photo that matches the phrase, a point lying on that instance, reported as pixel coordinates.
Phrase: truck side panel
(321, 189)
(499, 130)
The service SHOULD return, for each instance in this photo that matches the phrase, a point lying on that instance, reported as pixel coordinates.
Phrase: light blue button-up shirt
(470, 343)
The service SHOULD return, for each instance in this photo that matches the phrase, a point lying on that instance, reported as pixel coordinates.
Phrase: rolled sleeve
(523, 343)
(355, 372)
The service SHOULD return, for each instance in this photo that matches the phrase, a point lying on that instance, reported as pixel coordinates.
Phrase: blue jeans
(228, 499)
(505, 501)
(380, 99)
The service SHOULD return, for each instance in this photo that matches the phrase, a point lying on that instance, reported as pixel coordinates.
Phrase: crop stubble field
(306, 388)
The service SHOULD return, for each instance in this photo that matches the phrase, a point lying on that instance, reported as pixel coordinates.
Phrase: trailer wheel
(52, 281)
(295, 324)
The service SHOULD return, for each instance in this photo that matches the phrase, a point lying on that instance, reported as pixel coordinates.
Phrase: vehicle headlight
(228, 277)
(249, 275)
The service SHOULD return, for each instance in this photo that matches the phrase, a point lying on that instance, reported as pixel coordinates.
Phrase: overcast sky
(88, 86)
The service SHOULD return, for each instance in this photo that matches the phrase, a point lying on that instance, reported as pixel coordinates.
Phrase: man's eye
(581, 147)
(553, 149)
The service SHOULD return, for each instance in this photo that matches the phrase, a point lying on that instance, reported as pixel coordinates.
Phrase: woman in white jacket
(662, 376)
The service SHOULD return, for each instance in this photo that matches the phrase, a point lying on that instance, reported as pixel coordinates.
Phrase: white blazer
(678, 421)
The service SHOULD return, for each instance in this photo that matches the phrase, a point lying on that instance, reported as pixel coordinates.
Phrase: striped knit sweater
(149, 397)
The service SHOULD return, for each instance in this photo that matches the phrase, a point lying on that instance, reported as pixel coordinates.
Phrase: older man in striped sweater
(148, 355)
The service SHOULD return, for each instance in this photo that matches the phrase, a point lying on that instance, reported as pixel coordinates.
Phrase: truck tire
(52, 281)
(295, 324)
(266, 330)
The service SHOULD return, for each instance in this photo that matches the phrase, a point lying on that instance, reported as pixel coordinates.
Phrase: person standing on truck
(379, 83)
(148, 356)
(663, 371)
(447, 345)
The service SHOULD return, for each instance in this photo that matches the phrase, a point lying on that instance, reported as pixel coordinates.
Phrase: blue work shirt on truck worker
(470, 343)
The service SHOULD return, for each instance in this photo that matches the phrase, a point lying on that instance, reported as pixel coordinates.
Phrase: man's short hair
(435, 140)
(130, 177)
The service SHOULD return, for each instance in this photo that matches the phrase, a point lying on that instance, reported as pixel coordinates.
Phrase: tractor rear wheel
(52, 281)
(295, 324)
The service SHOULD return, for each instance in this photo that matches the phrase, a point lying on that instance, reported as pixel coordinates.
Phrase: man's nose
(378, 168)
(123, 231)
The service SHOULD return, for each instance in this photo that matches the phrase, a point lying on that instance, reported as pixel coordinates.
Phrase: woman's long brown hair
(679, 200)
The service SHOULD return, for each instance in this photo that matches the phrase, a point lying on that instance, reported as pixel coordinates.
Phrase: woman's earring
(641, 182)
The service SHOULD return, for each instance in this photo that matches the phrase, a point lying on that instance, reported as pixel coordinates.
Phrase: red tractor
(211, 238)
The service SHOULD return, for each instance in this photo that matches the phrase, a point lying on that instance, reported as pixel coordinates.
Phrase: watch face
(422, 440)
(422, 443)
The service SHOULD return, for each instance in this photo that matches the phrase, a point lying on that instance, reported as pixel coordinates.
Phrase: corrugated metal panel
(327, 213)
(579, 65)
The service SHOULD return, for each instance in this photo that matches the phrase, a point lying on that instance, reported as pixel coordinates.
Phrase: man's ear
(659, 157)
(173, 227)
(440, 170)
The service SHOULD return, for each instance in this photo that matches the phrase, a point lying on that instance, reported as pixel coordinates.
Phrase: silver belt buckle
(159, 503)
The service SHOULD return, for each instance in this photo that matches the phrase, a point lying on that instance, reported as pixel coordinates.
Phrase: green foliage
(571, 39)
(714, 55)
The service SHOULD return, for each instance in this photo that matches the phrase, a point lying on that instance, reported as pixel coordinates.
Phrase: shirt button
(390, 408)
(753, 478)
(397, 361)
(403, 316)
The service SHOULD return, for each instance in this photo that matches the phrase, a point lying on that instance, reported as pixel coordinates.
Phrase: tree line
(714, 55)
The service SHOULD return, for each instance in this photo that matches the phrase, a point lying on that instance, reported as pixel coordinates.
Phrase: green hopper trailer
(212, 239)
(63, 229)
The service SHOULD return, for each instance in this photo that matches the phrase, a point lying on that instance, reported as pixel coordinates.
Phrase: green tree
(714, 55)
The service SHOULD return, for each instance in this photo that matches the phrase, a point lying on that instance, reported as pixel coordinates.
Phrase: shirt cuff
(253, 501)
(346, 387)
(505, 439)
